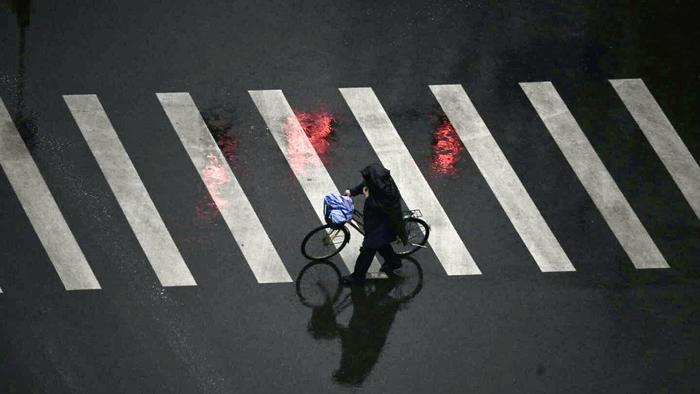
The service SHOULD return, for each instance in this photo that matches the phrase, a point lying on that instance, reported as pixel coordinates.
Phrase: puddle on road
(446, 147)
(219, 120)
(215, 178)
(319, 128)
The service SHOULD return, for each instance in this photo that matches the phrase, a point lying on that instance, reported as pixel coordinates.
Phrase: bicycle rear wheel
(324, 242)
(417, 232)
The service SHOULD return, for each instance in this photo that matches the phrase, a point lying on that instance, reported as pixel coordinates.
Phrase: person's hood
(380, 184)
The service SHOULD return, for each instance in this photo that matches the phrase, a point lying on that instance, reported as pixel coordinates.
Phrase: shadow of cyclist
(374, 308)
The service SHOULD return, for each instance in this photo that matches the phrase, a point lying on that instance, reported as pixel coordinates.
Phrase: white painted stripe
(131, 194)
(304, 161)
(663, 138)
(228, 195)
(416, 192)
(502, 179)
(41, 209)
(595, 178)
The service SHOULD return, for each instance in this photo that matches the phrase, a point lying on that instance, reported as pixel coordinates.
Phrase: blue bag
(337, 209)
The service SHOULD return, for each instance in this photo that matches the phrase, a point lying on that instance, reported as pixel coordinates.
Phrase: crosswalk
(502, 179)
(596, 179)
(252, 238)
(303, 159)
(130, 192)
(231, 200)
(445, 242)
(41, 209)
(663, 138)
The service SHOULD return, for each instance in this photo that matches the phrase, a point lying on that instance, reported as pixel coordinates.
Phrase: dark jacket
(382, 212)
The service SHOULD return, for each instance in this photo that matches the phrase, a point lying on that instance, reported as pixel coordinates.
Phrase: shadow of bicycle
(374, 308)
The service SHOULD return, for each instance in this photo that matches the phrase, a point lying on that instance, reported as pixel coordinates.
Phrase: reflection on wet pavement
(25, 120)
(215, 176)
(374, 308)
(318, 127)
(446, 148)
(219, 120)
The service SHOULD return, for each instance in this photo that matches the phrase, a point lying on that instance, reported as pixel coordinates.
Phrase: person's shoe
(350, 280)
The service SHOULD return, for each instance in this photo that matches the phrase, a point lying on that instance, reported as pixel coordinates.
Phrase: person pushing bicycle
(382, 221)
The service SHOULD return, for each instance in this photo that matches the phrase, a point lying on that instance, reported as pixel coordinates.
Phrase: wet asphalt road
(604, 327)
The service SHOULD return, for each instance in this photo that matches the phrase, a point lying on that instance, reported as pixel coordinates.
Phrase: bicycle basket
(337, 210)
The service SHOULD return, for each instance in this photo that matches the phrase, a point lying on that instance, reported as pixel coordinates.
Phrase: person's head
(374, 174)
(380, 183)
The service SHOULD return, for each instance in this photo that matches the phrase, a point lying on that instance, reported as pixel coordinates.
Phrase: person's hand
(347, 193)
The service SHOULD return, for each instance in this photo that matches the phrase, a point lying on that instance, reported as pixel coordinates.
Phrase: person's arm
(356, 190)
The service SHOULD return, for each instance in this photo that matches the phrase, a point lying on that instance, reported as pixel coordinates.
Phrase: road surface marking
(230, 199)
(131, 194)
(502, 179)
(386, 142)
(304, 161)
(41, 209)
(595, 178)
(663, 138)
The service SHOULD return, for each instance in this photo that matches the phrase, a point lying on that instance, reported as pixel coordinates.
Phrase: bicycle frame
(356, 221)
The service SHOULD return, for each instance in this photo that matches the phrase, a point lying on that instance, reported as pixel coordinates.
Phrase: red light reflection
(228, 145)
(214, 174)
(318, 128)
(215, 177)
(446, 149)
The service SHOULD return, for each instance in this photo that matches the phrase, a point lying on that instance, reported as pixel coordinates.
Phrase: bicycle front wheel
(324, 242)
(417, 232)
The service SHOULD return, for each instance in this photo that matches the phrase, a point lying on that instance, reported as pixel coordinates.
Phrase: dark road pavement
(144, 258)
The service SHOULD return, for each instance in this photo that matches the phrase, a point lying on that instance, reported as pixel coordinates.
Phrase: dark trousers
(364, 260)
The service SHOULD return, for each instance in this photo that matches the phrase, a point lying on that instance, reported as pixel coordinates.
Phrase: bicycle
(328, 240)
